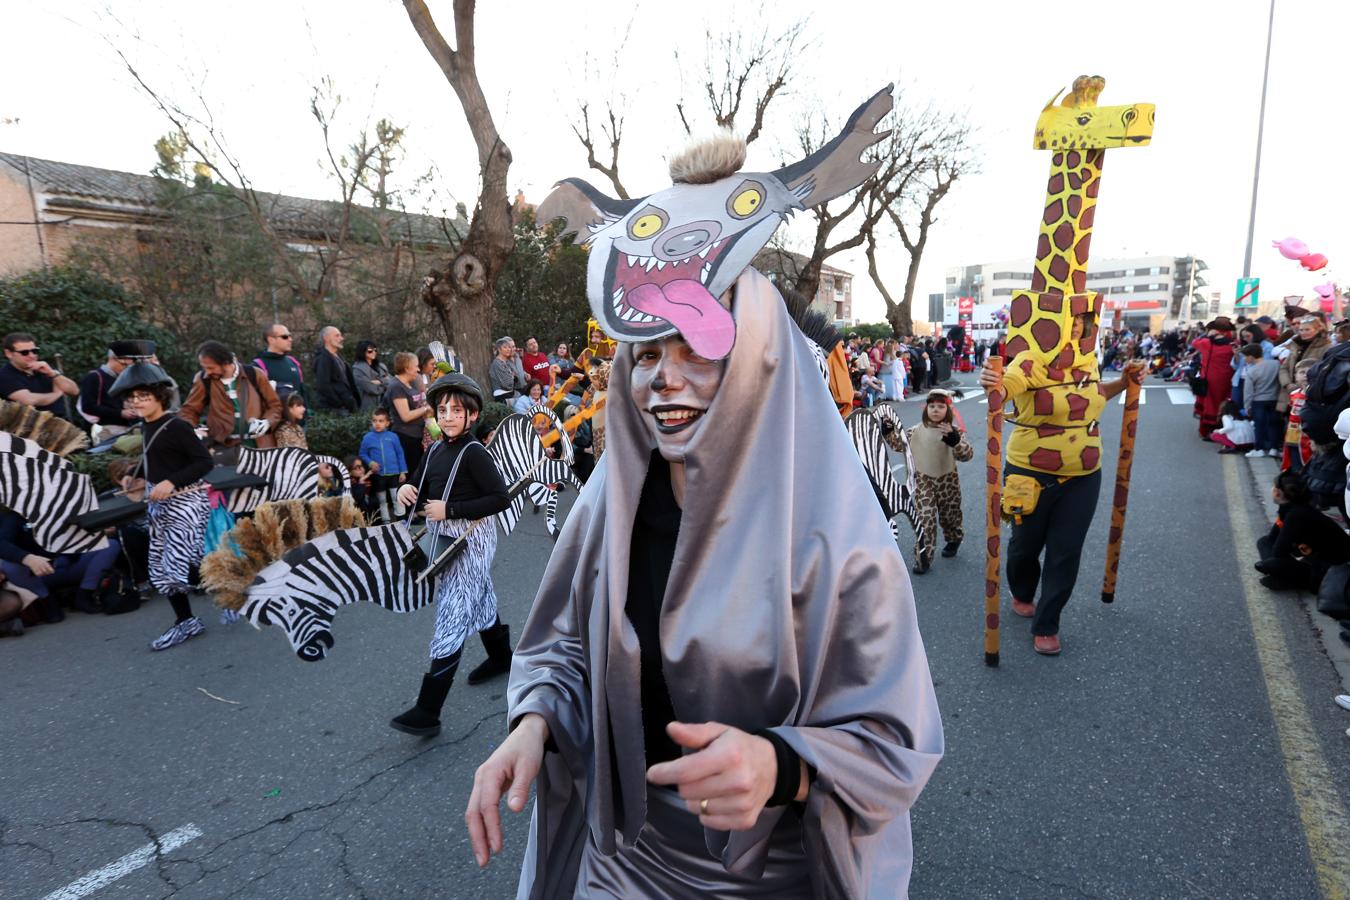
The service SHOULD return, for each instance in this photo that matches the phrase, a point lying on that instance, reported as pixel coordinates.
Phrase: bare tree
(928, 150)
(740, 75)
(825, 243)
(463, 293)
(200, 134)
(743, 71)
(613, 134)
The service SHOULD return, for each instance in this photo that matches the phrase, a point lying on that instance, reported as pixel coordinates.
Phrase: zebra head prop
(661, 264)
(302, 591)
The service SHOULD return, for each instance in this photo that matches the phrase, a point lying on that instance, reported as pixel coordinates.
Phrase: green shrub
(75, 313)
(95, 465)
(493, 413)
(334, 435)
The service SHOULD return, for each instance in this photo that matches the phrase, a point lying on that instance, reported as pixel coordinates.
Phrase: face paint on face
(672, 388)
(453, 418)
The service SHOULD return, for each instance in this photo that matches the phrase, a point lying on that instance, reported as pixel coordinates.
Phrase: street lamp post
(1260, 131)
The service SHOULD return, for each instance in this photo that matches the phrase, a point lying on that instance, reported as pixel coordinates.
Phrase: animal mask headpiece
(660, 264)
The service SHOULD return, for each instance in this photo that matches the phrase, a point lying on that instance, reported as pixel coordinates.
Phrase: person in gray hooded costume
(721, 688)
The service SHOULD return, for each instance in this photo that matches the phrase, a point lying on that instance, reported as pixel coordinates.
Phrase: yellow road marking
(1310, 779)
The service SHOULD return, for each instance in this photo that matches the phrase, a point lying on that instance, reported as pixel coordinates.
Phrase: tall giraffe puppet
(1051, 373)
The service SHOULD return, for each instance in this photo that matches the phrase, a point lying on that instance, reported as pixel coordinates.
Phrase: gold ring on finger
(703, 806)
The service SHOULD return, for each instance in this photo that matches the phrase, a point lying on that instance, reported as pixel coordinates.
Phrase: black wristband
(789, 778)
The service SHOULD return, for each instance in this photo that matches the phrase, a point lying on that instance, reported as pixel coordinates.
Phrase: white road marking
(100, 878)
(1143, 398)
(1180, 396)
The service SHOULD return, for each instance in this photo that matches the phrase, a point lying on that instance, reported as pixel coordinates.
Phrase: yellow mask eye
(746, 203)
(646, 226)
(650, 221)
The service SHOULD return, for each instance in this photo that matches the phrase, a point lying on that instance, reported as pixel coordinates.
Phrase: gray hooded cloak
(788, 607)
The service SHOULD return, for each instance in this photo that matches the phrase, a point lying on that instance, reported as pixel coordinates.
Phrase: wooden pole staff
(993, 514)
(1128, 425)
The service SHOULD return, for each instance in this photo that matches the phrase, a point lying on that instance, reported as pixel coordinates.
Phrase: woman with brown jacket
(1310, 342)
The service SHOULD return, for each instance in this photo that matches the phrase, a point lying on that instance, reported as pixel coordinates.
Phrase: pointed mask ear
(581, 206)
(836, 169)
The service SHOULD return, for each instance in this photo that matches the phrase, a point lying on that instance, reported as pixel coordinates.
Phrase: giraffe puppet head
(1078, 123)
(664, 263)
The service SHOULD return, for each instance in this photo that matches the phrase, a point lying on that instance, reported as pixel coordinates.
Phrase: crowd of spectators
(235, 401)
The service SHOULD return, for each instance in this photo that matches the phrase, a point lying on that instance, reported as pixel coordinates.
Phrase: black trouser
(1058, 526)
(1302, 574)
(412, 449)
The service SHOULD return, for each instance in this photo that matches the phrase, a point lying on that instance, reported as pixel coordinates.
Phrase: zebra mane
(813, 323)
(276, 528)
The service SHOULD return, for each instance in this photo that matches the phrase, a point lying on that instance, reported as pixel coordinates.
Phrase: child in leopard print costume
(937, 446)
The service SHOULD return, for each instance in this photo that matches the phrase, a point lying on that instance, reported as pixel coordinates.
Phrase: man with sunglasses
(281, 366)
(27, 379)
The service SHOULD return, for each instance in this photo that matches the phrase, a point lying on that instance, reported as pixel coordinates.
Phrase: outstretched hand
(727, 781)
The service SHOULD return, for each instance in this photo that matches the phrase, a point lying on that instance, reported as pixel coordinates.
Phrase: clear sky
(1189, 192)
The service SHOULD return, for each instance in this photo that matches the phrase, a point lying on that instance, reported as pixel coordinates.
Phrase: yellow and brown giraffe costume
(1052, 379)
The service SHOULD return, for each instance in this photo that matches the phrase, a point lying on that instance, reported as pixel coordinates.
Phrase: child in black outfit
(173, 463)
(1303, 543)
(455, 484)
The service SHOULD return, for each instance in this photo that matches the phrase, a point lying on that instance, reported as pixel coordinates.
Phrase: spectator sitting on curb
(1303, 543)
(1235, 435)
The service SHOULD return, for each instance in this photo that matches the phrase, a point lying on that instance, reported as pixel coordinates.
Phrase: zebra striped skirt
(177, 529)
(465, 600)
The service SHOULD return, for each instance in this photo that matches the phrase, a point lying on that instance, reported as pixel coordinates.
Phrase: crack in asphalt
(348, 795)
(159, 858)
(5, 843)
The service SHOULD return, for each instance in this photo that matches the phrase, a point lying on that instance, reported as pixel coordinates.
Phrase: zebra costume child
(171, 452)
(459, 472)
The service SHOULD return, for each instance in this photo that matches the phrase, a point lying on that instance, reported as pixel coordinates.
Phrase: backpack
(283, 388)
(1328, 393)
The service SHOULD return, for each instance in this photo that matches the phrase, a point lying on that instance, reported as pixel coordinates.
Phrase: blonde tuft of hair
(708, 159)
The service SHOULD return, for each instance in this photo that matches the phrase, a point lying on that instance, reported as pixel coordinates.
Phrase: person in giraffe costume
(1053, 461)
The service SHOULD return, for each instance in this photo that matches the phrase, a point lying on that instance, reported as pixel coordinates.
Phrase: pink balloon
(1326, 291)
(1291, 248)
(1313, 261)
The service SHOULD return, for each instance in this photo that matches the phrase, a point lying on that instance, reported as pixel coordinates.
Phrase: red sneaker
(1046, 644)
(1025, 610)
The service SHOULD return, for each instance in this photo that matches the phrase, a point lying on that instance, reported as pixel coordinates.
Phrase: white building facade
(1138, 292)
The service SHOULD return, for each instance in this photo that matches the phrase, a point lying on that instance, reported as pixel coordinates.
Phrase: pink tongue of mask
(706, 324)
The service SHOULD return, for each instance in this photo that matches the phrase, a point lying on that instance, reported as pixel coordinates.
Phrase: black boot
(922, 565)
(424, 718)
(86, 601)
(951, 548)
(497, 643)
